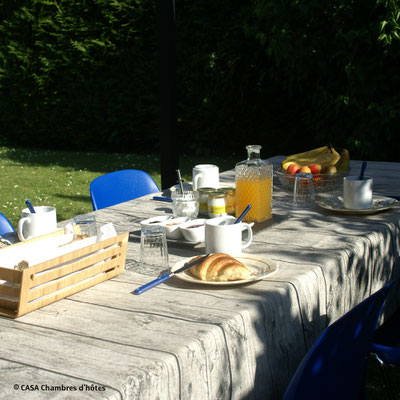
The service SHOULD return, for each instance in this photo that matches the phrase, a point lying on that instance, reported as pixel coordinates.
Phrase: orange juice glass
(254, 186)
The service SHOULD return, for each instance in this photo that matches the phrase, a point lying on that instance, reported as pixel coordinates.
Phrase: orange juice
(258, 193)
(253, 179)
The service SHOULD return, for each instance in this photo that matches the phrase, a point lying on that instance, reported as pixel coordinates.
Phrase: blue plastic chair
(5, 225)
(119, 186)
(335, 367)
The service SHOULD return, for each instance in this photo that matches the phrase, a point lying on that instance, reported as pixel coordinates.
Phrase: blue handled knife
(165, 277)
(159, 198)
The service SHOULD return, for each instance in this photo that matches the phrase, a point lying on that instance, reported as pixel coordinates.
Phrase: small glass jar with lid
(216, 204)
(203, 199)
(230, 199)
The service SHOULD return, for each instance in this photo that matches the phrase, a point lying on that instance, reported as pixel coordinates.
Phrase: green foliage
(390, 25)
(286, 74)
(333, 58)
(289, 75)
(77, 74)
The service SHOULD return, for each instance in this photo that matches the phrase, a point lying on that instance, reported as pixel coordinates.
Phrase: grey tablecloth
(181, 340)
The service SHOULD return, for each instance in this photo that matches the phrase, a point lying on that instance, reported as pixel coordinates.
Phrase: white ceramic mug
(357, 194)
(205, 175)
(223, 236)
(43, 221)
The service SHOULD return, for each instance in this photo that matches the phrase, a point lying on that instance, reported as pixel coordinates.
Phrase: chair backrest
(335, 367)
(119, 186)
(5, 225)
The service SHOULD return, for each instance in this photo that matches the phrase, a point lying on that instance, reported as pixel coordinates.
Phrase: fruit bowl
(322, 182)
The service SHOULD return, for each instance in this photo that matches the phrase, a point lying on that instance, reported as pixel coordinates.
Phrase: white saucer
(136, 235)
(379, 204)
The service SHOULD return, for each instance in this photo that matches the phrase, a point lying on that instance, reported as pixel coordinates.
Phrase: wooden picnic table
(184, 340)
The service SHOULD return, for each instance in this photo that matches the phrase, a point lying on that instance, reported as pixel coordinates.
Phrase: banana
(305, 156)
(344, 162)
(335, 156)
(323, 156)
(330, 157)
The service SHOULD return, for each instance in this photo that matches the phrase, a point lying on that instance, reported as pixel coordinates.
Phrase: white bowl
(177, 187)
(193, 230)
(172, 227)
(155, 220)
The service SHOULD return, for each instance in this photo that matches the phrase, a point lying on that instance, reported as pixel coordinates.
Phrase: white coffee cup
(223, 236)
(43, 221)
(357, 194)
(205, 175)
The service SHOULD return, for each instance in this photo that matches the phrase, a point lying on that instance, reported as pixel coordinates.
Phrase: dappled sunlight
(241, 340)
(259, 328)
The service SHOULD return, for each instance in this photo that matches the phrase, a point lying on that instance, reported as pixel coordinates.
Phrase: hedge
(286, 74)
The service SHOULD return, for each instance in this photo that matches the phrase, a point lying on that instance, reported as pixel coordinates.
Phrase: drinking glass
(85, 225)
(186, 204)
(304, 191)
(153, 250)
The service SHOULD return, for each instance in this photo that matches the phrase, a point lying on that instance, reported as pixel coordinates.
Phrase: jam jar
(217, 204)
(230, 199)
(203, 199)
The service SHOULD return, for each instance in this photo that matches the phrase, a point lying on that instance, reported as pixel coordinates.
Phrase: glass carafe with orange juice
(254, 186)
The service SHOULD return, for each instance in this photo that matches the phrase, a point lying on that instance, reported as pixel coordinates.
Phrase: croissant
(220, 267)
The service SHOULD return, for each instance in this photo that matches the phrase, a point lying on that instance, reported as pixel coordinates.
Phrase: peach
(315, 168)
(293, 168)
(305, 169)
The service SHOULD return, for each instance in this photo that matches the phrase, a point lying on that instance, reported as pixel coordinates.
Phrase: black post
(167, 67)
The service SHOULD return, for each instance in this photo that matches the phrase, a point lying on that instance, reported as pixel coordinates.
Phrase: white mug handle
(20, 229)
(196, 179)
(249, 235)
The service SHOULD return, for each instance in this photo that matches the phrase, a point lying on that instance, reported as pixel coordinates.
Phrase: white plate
(136, 235)
(155, 220)
(378, 204)
(260, 268)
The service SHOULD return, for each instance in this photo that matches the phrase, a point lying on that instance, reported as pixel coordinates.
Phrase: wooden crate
(47, 282)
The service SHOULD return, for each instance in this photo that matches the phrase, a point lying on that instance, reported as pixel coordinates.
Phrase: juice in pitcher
(254, 186)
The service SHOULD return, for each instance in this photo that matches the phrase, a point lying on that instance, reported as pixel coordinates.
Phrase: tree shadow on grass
(89, 161)
(107, 162)
(85, 199)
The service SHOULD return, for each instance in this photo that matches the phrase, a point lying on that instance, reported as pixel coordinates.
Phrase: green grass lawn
(61, 179)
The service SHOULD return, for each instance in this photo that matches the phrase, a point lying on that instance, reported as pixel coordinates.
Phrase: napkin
(29, 254)
(32, 253)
